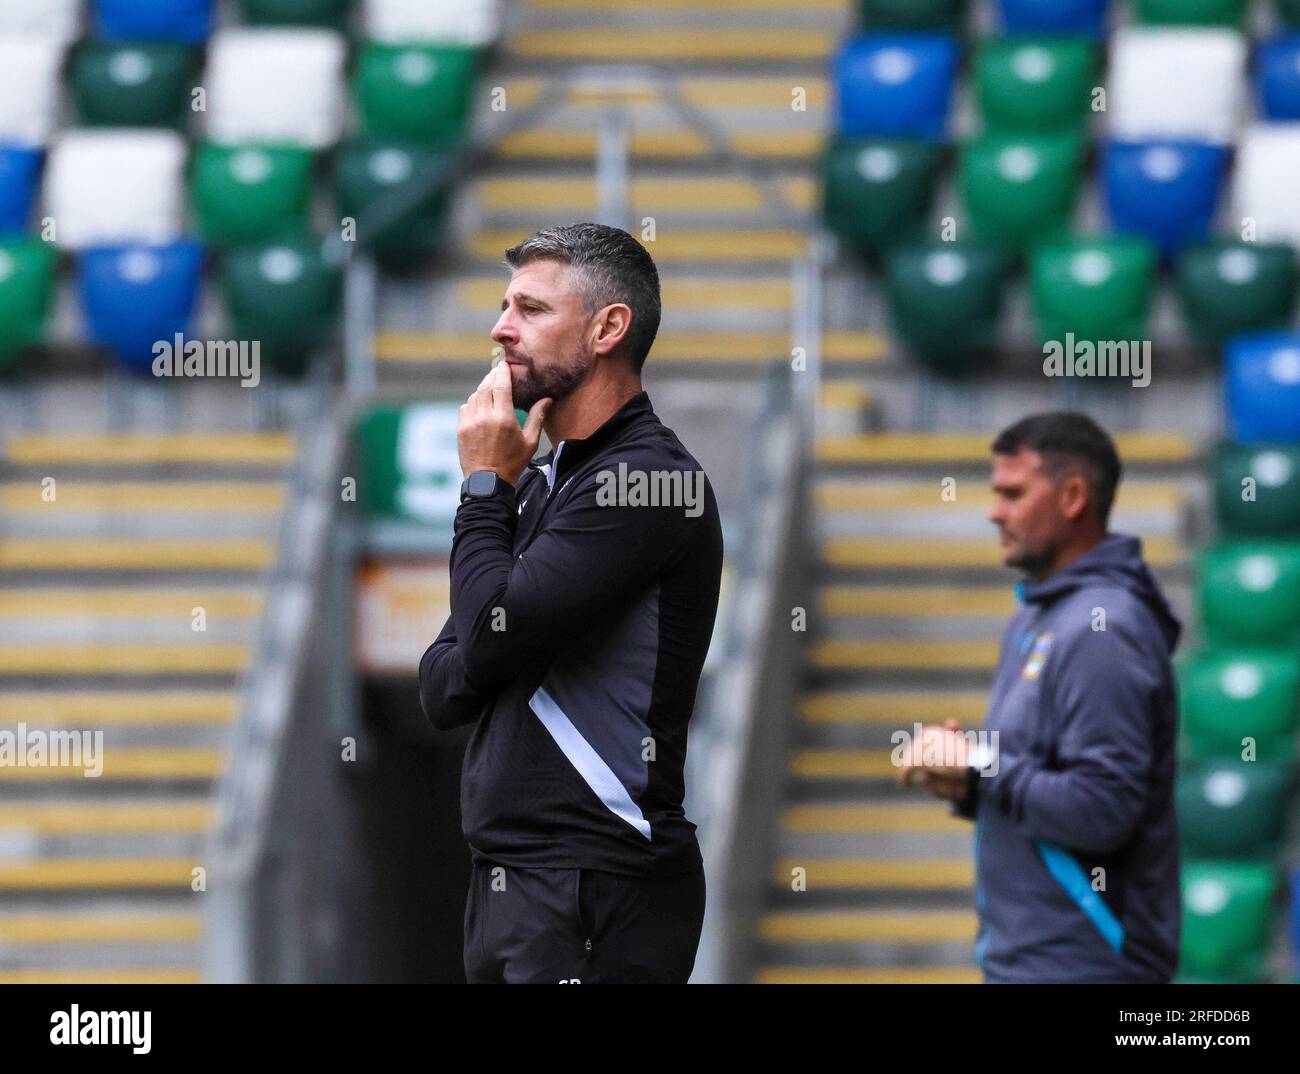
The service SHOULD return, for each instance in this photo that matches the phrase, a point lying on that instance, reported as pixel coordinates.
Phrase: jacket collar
(580, 449)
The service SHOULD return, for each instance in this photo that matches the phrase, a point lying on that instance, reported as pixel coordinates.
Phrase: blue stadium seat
(1277, 77)
(1054, 16)
(1262, 386)
(134, 295)
(20, 170)
(154, 20)
(895, 85)
(1166, 190)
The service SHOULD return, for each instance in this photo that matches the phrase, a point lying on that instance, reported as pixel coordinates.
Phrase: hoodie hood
(1117, 560)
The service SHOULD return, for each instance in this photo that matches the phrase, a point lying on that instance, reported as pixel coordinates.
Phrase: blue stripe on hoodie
(1081, 800)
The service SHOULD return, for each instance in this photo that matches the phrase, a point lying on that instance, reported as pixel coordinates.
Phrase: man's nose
(503, 331)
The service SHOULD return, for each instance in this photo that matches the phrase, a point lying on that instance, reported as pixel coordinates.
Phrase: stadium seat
(1232, 695)
(250, 192)
(474, 23)
(1056, 17)
(1288, 13)
(878, 192)
(276, 85)
(1257, 490)
(53, 19)
(134, 295)
(1233, 809)
(945, 301)
(284, 295)
(1227, 920)
(367, 171)
(108, 186)
(20, 172)
(1177, 84)
(1096, 289)
(1268, 160)
(1167, 191)
(1229, 13)
(1019, 188)
(1230, 287)
(895, 85)
(153, 20)
(1277, 78)
(1035, 83)
(131, 84)
(26, 286)
(418, 93)
(29, 87)
(328, 14)
(912, 14)
(1262, 385)
(1249, 594)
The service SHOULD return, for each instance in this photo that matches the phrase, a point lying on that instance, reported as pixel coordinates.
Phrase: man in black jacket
(584, 587)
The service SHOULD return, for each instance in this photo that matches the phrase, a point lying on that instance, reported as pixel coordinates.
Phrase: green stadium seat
(1227, 920)
(367, 171)
(1019, 189)
(1233, 809)
(945, 301)
(285, 295)
(417, 93)
(1231, 287)
(877, 193)
(26, 286)
(1257, 489)
(1230, 695)
(1250, 594)
(332, 14)
(1097, 289)
(912, 14)
(1028, 84)
(133, 84)
(1288, 13)
(1228, 13)
(242, 193)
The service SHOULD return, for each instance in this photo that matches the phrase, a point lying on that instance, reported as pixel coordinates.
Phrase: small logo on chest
(1037, 656)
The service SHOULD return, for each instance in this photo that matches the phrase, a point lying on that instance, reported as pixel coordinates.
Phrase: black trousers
(580, 926)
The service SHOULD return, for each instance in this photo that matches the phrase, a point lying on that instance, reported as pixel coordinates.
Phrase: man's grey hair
(608, 265)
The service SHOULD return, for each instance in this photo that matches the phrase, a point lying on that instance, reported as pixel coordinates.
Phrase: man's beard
(550, 383)
(1032, 561)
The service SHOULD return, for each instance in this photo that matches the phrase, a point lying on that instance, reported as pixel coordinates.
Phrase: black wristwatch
(482, 485)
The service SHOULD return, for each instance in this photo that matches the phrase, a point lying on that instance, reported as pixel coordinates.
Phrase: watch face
(481, 483)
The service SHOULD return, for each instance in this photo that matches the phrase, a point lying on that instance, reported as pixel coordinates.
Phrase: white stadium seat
(115, 186)
(1265, 184)
(49, 18)
(29, 86)
(276, 85)
(453, 22)
(1184, 83)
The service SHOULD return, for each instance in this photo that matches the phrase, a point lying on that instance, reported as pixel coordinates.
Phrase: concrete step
(268, 450)
(100, 708)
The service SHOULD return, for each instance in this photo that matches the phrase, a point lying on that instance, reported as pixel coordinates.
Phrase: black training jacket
(580, 618)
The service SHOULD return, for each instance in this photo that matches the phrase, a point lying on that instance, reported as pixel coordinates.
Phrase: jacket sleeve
(447, 696)
(1103, 688)
(513, 616)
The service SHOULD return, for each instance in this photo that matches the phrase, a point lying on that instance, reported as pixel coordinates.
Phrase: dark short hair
(1068, 442)
(610, 266)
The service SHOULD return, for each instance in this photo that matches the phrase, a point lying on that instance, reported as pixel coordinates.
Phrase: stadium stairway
(100, 587)
(871, 883)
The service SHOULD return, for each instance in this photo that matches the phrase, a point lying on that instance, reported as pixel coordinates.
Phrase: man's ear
(1073, 496)
(612, 324)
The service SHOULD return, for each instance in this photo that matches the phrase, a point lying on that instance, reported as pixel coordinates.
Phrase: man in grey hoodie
(1072, 788)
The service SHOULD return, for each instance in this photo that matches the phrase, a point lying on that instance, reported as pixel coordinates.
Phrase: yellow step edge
(861, 552)
(909, 601)
(844, 395)
(89, 707)
(648, 197)
(141, 603)
(65, 818)
(866, 495)
(705, 293)
(857, 975)
(946, 873)
(553, 143)
(871, 819)
(974, 448)
(269, 449)
(841, 764)
(592, 43)
(111, 553)
(892, 709)
(218, 497)
(679, 244)
(125, 975)
(143, 659)
(129, 763)
(68, 928)
(916, 654)
(87, 873)
(710, 93)
(869, 927)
